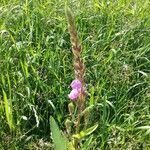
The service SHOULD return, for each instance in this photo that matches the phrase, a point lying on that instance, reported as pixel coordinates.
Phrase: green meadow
(36, 69)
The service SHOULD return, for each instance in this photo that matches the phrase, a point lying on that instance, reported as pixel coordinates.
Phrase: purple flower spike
(73, 94)
(76, 84)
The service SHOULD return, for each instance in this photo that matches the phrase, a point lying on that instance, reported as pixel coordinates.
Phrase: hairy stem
(79, 69)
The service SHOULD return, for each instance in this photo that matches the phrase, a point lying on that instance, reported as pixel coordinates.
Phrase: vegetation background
(36, 71)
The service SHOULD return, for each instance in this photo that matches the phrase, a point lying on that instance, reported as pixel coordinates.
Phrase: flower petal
(76, 84)
(73, 94)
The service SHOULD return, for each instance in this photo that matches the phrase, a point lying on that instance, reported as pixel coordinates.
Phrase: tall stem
(79, 69)
(80, 106)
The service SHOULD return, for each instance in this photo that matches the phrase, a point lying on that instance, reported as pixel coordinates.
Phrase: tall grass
(36, 70)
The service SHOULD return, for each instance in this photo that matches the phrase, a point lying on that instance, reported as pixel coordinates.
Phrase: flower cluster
(76, 86)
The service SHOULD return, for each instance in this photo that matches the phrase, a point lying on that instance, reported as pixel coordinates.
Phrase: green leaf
(88, 131)
(91, 129)
(88, 143)
(60, 142)
(70, 146)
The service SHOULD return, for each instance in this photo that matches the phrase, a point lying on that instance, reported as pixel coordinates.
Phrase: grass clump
(36, 70)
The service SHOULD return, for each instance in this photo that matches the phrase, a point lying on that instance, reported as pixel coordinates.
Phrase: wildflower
(74, 94)
(76, 84)
(77, 88)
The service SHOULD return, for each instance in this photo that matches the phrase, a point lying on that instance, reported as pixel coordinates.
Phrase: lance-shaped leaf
(86, 132)
(60, 142)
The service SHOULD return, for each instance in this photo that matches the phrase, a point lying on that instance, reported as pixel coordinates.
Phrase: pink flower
(76, 84)
(74, 94)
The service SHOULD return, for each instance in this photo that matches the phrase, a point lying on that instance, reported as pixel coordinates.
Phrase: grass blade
(8, 111)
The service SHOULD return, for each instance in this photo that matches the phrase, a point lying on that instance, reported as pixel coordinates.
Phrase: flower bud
(68, 125)
(71, 108)
(86, 114)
